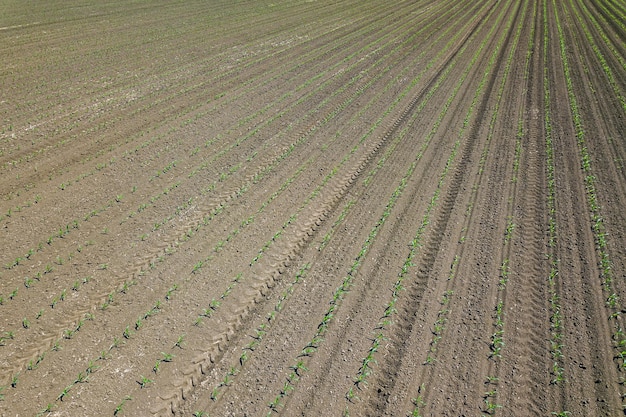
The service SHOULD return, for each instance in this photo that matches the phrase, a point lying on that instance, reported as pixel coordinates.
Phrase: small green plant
(48, 409)
(64, 393)
(492, 380)
(299, 367)
(116, 343)
(120, 406)
(243, 358)
(197, 266)
(15, 379)
(169, 293)
(226, 381)
(144, 382)
(127, 333)
(491, 407)
(82, 377)
(92, 367)
(180, 341)
(25, 323)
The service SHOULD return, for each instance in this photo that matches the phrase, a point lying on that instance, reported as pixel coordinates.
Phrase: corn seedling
(275, 404)
(127, 333)
(226, 381)
(15, 380)
(48, 409)
(116, 343)
(120, 406)
(299, 367)
(492, 380)
(169, 293)
(179, 341)
(144, 382)
(82, 377)
(491, 407)
(64, 393)
(92, 367)
(351, 395)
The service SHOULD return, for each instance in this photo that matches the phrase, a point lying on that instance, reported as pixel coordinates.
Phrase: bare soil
(320, 208)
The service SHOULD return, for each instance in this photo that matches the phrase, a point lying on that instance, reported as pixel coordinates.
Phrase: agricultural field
(313, 208)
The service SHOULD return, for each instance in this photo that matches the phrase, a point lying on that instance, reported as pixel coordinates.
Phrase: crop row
(556, 318)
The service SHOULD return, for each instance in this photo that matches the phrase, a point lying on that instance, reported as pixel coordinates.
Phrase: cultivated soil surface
(312, 208)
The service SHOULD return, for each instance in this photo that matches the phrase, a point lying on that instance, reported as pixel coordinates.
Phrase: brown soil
(317, 208)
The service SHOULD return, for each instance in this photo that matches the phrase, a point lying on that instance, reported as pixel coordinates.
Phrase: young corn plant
(179, 341)
(144, 382)
(119, 408)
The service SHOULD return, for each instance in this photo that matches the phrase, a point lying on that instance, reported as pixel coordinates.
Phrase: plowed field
(320, 208)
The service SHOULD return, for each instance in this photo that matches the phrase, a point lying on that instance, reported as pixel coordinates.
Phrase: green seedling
(144, 382)
(64, 393)
(120, 406)
(180, 341)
